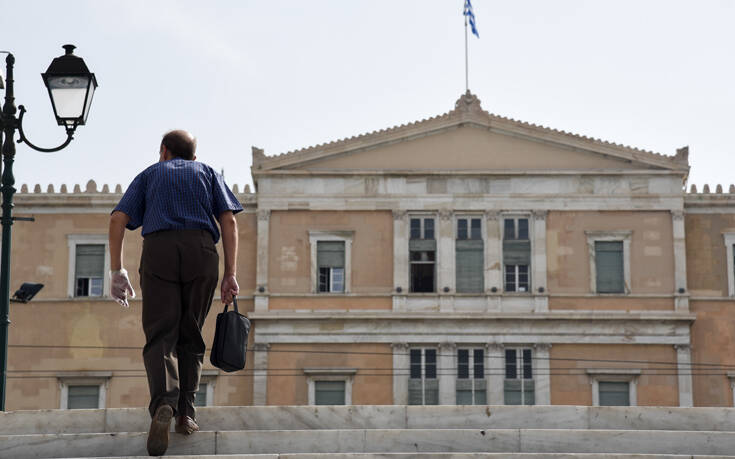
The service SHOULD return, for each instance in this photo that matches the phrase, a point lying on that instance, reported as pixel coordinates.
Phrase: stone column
(400, 259)
(493, 260)
(401, 373)
(681, 298)
(495, 369)
(446, 261)
(684, 370)
(542, 376)
(260, 373)
(447, 373)
(538, 260)
(261, 275)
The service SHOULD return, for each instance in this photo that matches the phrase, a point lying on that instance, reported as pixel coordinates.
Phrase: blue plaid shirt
(177, 194)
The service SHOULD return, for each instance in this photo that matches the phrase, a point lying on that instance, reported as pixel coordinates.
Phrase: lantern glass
(69, 96)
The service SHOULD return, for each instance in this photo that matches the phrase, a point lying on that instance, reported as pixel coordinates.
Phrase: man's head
(178, 144)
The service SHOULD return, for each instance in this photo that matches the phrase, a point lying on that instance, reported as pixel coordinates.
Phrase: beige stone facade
(395, 320)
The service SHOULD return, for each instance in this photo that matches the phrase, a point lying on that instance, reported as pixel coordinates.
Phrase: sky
(284, 75)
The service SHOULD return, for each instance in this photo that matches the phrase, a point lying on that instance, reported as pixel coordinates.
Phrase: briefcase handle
(234, 304)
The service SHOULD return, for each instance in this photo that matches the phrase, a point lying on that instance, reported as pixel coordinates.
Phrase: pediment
(468, 139)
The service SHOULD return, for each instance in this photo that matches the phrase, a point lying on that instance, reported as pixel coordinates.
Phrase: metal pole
(466, 65)
(7, 189)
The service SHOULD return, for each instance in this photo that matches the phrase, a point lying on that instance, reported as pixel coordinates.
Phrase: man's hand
(229, 288)
(120, 287)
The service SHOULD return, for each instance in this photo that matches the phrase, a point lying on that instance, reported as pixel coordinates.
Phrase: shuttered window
(609, 266)
(200, 397)
(516, 255)
(614, 393)
(83, 397)
(471, 385)
(519, 387)
(329, 392)
(330, 259)
(423, 386)
(469, 249)
(89, 269)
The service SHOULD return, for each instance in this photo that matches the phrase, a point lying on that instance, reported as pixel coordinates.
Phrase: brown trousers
(178, 277)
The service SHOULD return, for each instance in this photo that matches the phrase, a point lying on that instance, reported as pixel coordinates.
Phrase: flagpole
(466, 65)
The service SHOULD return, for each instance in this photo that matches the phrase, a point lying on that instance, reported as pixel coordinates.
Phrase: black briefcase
(230, 340)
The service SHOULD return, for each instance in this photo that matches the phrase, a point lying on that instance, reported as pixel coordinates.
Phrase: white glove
(120, 287)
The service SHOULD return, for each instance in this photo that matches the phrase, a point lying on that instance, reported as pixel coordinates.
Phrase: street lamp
(71, 86)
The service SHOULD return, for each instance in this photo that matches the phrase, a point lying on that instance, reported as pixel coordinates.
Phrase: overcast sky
(283, 75)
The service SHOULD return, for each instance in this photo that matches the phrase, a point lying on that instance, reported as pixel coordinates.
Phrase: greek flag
(471, 15)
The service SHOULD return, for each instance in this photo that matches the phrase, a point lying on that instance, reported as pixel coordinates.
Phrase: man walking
(178, 202)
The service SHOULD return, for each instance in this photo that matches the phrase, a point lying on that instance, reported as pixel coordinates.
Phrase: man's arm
(228, 225)
(118, 220)
(120, 286)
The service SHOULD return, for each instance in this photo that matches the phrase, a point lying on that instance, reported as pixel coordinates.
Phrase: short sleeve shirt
(177, 194)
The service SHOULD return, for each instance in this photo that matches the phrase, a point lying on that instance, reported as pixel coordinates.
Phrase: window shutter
(90, 260)
(200, 397)
(83, 397)
(512, 391)
(516, 252)
(609, 266)
(330, 254)
(614, 393)
(415, 392)
(422, 245)
(329, 392)
(431, 391)
(469, 266)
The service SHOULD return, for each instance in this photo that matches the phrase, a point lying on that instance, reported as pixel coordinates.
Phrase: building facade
(462, 259)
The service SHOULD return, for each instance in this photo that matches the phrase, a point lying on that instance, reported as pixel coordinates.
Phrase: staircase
(300, 432)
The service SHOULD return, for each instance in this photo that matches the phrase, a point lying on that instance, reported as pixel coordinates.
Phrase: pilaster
(493, 260)
(680, 262)
(542, 375)
(446, 257)
(447, 373)
(261, 275)
(401, 368)
(400, 259)
(538, 249)
(495, 369)
(260, 373)
(684, 370)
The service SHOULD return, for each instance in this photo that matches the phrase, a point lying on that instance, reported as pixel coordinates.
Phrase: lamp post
(71, 86)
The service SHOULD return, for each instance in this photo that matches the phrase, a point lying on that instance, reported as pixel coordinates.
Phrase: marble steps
(323, 442)
(116, 420)
(433, 456)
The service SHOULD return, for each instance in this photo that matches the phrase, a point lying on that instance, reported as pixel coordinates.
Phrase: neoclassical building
(462, 259)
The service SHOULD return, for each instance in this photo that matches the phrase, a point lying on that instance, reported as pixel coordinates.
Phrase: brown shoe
(158, 435)
(186, 425)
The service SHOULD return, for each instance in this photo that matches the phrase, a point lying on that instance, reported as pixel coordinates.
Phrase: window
(614, 393)
(609, 266)
(730, 255)
(609, 261)
(88, 265)
(469, 256)
(471, 386)
(516, 254)
(422, 255)
(90, 269)
(614, 386)
(83, 397)
(423, 386)
(83, 390)
(519, 386)
(329, 392)
(329, 386)
(330, 261)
